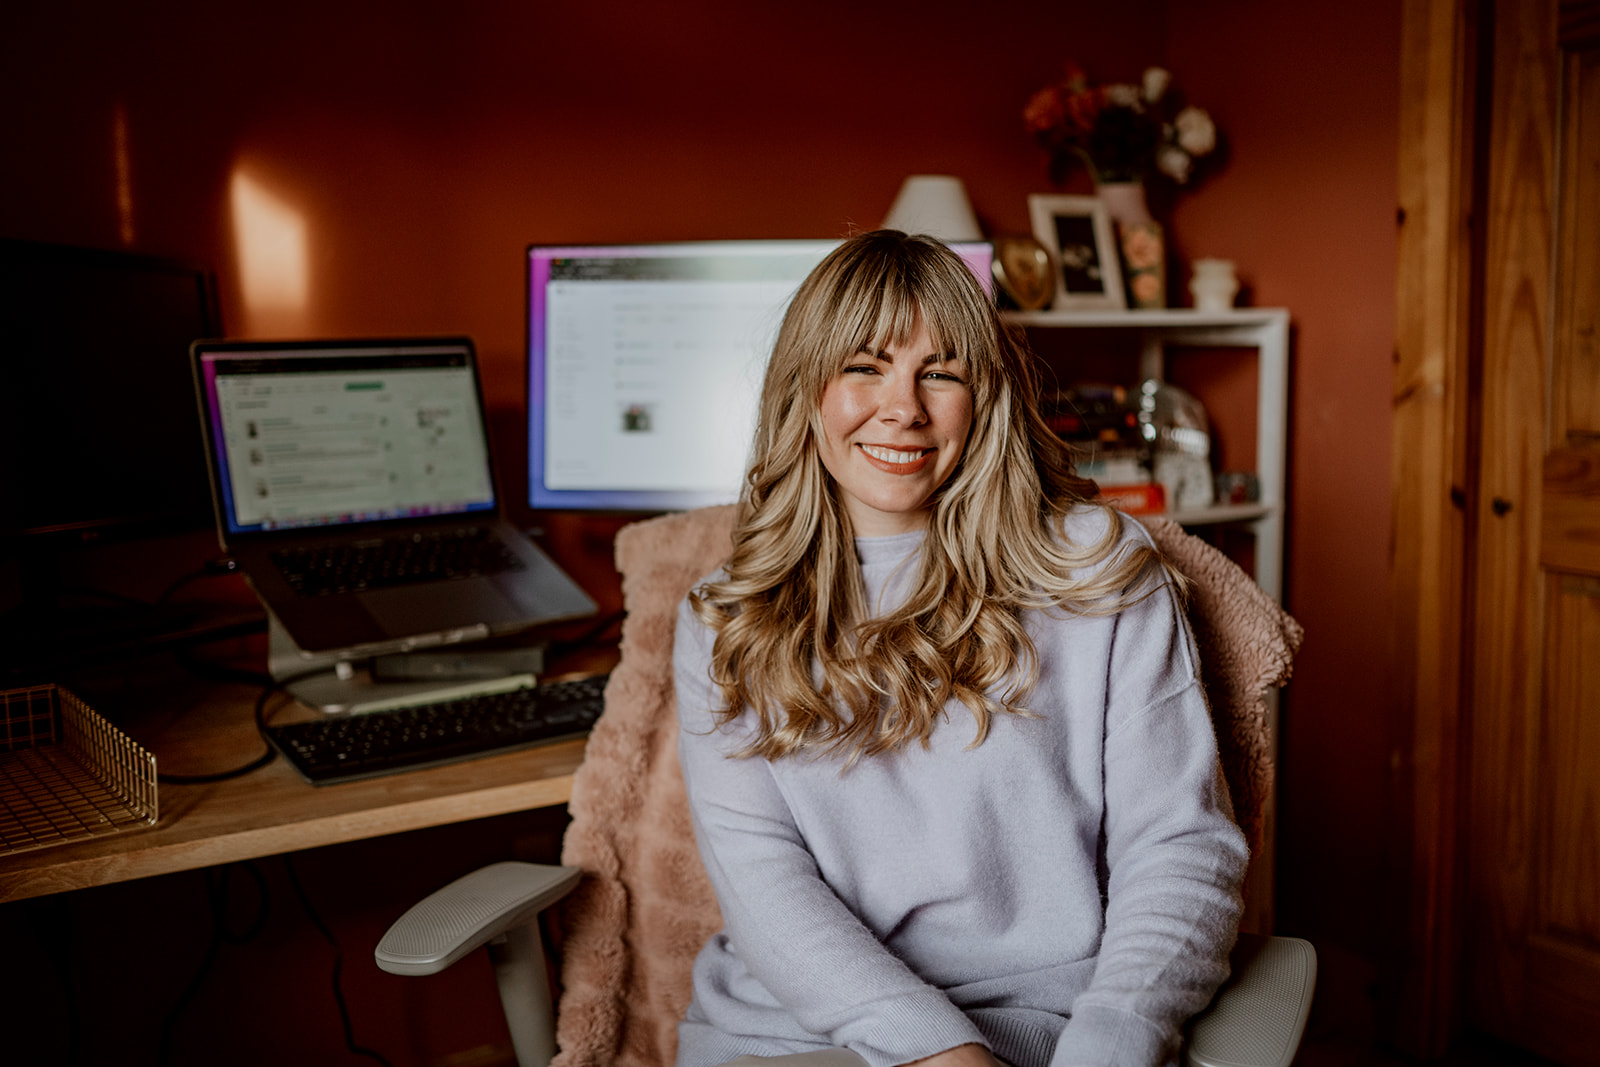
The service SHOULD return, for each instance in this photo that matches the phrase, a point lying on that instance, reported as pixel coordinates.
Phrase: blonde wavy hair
(796, 642)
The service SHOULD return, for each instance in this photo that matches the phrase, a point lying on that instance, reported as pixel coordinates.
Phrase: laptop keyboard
(377, 563)
(374, 743)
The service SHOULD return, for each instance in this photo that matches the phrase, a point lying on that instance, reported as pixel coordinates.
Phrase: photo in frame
(1076, 230)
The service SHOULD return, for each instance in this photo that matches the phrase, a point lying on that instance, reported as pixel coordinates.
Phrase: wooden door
(1533, 916)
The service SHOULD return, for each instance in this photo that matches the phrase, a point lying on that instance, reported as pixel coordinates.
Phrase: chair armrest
(470, 912)
(1259, 1014)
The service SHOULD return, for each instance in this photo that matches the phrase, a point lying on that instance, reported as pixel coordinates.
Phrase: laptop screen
(341, 433)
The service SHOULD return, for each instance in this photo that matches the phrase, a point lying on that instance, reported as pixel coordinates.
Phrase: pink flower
(1123, 96)
(1197, 134)
(1156, 80)
(1174, 162)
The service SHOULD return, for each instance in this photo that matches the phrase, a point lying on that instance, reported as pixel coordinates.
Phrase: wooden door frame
(1447, 64)
(1437, 362)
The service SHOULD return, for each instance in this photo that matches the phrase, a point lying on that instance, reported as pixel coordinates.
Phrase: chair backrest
(644, 909)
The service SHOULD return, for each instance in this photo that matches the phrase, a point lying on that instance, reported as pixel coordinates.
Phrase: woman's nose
(903, 401)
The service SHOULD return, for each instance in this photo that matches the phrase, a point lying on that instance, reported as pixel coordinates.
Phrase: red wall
(427, 144)
(427, 149)
(1307, 206)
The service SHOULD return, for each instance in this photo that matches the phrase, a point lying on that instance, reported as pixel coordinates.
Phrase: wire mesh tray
(66, 774)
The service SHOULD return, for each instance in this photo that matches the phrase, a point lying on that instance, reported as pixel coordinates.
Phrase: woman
(948, 757)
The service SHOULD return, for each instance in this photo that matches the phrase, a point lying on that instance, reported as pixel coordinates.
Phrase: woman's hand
(961, 1056)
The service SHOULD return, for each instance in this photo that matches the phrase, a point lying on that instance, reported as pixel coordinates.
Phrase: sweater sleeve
(788, 928)
(1174, 857)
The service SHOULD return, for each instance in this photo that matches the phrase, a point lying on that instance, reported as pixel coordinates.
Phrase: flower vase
(1144, 259)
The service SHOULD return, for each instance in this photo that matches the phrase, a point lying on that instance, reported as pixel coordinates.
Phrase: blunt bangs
(888, 282)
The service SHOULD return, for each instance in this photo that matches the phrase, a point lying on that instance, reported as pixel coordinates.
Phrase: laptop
(354, 486)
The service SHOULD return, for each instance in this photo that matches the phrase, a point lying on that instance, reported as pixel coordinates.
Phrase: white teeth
(890, 456)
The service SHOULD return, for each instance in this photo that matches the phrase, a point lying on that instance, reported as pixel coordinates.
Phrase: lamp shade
(934, 204)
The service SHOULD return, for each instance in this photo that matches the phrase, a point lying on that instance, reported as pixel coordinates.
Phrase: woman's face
(894, 424)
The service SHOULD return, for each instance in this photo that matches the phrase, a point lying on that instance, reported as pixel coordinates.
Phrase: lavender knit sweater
(1065, 893)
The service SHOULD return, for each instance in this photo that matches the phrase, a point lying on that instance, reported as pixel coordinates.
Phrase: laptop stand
(338, 683)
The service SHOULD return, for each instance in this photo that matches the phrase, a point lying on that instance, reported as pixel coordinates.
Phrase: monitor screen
(98, 434)
(645, 365)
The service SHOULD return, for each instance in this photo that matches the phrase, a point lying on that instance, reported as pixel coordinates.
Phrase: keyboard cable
(266, 757)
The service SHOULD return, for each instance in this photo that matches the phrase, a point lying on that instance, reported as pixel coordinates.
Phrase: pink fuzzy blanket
(644, 908)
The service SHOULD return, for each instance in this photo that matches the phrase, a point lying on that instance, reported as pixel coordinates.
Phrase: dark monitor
(98, 432)
(645, 365)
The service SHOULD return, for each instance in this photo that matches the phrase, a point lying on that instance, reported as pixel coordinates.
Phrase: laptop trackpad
(439, 606)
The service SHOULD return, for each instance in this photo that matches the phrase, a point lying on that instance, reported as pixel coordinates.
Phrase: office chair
(634, 902)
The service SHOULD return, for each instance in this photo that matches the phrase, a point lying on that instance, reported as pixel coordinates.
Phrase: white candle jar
(1214, 284)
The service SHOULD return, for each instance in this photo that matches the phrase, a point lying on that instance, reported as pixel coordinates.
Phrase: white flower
(1122, 96)
(1156, 80)
(1174, 162)
(1197, 134)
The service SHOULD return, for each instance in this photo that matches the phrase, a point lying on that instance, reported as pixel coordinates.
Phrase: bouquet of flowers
(1122, 133)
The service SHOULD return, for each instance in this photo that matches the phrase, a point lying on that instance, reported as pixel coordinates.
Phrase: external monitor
(98, 437)
(645, 365)
(99, 446)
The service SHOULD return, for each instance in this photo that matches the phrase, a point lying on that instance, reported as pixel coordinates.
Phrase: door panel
(1568, 788)
(1534, 867)
(1570, 538)
(1575, 386)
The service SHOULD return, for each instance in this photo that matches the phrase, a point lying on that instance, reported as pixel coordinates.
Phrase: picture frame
(1076, 231)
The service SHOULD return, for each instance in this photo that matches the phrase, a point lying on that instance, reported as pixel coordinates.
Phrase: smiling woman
(943, 733)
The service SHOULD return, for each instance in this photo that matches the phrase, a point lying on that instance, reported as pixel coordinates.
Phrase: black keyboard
(373, 743)
(374, 563)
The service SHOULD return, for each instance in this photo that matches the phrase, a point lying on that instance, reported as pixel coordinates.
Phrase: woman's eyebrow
(888, 357)
(875, 353)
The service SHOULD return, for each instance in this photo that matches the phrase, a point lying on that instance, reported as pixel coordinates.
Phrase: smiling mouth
(896, 461)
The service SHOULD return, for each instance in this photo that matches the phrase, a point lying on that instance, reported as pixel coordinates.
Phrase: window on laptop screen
(645, 366)
(328, 438)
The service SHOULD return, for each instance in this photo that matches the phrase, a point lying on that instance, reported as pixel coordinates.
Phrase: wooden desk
(195, 727)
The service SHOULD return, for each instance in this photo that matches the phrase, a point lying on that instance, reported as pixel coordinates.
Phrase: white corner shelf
(1164, 318)
(1264, 329)
(1220, 513)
